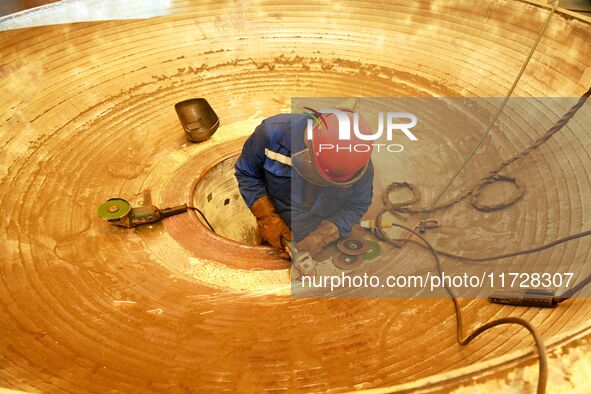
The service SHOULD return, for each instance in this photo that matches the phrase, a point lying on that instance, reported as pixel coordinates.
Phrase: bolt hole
(226, 201)
(209, 197)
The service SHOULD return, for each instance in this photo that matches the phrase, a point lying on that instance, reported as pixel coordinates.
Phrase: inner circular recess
(217, 195)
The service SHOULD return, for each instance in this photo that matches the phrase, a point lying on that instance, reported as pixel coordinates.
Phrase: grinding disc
(114, 209)
(346, 262)
(373, 251)
(352, 246)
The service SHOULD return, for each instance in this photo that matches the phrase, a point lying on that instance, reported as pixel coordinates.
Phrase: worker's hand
(270, 224)
(272, 229)
(319, 239)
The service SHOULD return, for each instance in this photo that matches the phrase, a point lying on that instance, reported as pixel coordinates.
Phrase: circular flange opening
(217, 195)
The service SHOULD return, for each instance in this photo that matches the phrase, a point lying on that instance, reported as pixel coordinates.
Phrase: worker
(329, 191)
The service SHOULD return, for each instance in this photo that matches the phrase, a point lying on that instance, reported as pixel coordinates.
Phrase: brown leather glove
(319, 239)
(270, 223)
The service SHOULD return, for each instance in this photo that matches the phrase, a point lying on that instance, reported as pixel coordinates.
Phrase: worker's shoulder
(285, 119)
(279, 129)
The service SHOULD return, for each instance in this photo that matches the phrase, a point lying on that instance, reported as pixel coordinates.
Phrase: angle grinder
(302, 264)
(119, 212)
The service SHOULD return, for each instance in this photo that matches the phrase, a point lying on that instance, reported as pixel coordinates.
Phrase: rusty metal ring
(504, 204)
(390, 206)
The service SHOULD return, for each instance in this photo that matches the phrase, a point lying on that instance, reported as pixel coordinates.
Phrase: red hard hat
(339, 160)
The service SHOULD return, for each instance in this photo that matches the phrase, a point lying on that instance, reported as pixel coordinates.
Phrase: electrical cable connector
(541, 298)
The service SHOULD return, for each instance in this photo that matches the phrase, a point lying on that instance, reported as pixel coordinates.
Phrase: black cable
(542, 356)
(398, 242)
(474, 193)
(476, 260)
(559, 299)
(203, 216)
(493, 177)
(569, 293)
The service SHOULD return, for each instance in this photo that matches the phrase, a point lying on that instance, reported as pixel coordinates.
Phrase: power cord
(398, 242)
(542, 356)
(202, 216)
(474, 194)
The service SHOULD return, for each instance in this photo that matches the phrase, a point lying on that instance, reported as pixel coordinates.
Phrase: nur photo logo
(392, 122)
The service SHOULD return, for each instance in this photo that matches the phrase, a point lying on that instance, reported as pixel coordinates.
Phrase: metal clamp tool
(302, 264)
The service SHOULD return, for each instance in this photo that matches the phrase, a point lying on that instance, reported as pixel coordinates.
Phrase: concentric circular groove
(87, 114)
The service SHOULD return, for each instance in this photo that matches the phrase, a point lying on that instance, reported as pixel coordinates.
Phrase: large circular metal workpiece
(87, 113)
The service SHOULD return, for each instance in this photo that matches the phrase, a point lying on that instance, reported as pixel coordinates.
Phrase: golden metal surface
(87, 112)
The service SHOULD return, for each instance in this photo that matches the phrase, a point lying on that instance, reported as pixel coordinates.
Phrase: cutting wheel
(352, 246)
(114, 209)
(373, 251)
(347, 262)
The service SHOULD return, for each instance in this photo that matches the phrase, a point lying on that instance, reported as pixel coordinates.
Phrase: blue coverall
(264, 168)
